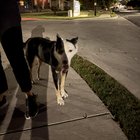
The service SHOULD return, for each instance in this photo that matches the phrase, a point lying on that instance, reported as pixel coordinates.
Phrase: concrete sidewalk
(83, 117)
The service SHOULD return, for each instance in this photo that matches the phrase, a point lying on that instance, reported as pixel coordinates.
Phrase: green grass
(56, 17)
(122, 104)
(46, 15)
(62, 15)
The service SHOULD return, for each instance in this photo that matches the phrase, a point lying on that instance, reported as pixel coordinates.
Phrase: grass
(122, 104)
(62, 15)
(42, 16)
(45, 15)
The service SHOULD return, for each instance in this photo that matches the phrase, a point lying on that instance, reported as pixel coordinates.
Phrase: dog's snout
(65, 66)
(65, 62)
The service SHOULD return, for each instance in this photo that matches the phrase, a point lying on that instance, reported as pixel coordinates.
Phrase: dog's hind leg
(63, 79)
(56, 79)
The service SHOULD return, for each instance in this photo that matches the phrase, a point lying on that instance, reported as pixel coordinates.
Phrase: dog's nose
(66, 66)
(65, 62)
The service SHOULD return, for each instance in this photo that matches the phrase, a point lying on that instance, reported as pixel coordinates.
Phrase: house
(45, 4)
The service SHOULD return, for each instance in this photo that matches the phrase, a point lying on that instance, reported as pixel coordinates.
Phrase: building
(45, 4)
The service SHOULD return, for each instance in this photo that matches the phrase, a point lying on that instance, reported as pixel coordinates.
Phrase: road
(131, 15)
(111, 44)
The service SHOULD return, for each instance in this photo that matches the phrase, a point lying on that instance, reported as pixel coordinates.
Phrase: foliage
(100, 3)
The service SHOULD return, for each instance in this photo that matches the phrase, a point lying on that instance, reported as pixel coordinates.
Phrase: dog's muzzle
(65, 68)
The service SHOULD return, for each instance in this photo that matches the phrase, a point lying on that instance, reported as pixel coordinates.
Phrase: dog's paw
(64, 94)
(60, 101)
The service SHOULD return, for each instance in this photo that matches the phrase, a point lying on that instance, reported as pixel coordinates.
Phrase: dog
(57, 54)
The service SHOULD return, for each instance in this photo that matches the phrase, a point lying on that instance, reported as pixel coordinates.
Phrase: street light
(95, 4)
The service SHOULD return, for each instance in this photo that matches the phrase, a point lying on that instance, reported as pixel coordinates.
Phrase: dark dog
(57, 54)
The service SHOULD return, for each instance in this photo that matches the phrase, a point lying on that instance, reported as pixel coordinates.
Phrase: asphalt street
(112, 44)
(131, 15)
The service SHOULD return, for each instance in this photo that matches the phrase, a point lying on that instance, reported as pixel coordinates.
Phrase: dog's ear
(59, 43)
(58, 36)
(59, 39)
(73, 40)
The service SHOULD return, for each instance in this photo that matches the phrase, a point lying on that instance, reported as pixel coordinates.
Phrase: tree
(108, 3)
(134, 3)
(87, 4)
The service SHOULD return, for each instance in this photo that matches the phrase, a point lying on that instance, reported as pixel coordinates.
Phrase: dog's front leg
(38, 69)
(57, 79)
(63, 79)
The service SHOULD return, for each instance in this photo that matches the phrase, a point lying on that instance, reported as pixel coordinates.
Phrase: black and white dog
(57, 54)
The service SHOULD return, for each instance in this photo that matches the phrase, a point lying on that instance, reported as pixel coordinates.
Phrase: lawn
(123, 105)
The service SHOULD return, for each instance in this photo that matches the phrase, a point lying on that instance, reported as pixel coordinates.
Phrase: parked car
(129, 8)
(115, 9)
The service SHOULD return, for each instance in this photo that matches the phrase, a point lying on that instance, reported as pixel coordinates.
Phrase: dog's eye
(70, 50)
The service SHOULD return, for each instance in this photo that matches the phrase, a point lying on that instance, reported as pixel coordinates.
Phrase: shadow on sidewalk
(12, 120)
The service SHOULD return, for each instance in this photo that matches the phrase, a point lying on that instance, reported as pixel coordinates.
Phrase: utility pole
(73, 8)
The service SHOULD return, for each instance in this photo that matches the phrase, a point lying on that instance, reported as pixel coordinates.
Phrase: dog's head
(65, 50)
